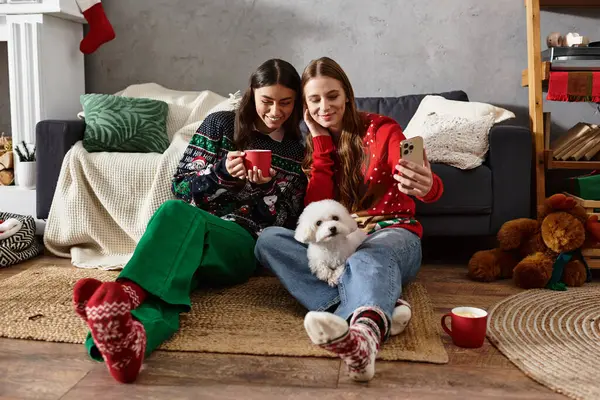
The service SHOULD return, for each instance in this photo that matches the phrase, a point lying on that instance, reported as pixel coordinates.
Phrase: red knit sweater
(386, 206)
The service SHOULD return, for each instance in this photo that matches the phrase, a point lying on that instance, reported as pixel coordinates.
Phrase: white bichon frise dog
(332, 236)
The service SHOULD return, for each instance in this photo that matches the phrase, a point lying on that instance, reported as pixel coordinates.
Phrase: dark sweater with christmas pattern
(202, 179)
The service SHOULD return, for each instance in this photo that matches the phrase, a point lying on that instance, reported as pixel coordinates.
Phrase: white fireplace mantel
(46, 67)
(66, 9)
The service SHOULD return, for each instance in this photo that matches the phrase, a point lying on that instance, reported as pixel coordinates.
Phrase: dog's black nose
(333, 229)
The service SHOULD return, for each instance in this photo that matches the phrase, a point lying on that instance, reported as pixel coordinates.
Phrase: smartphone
(412, 150)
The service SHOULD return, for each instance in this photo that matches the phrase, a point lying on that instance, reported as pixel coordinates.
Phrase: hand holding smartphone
(413, 172)
(412, 150)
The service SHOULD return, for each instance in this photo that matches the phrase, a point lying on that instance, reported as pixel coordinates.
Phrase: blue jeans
(374, 275)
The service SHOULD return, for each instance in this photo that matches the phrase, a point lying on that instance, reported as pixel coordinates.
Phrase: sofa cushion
(455, 133)
(466, 192)
(402, 108)
(124, 124)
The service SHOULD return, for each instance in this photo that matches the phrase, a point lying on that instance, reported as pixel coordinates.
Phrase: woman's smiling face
(326, 101)
(274, 105)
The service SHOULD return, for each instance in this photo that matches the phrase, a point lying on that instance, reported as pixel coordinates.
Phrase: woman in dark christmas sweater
(209, 237)
(354, 158)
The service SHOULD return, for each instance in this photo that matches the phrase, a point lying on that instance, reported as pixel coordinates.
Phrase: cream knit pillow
(455, 132)
(465, 109)
(457, 141)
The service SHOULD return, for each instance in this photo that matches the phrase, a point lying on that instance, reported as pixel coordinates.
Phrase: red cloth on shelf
(574, 86)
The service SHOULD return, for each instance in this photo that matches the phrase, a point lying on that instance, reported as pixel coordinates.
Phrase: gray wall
(4, 93)
(387, 47)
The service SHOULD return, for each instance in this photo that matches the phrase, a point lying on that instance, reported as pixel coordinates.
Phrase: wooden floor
(43, 370)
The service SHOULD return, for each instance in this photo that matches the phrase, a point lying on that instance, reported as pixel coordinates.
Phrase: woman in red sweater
(354, 158)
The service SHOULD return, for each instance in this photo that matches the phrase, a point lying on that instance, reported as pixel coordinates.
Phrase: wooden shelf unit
(569, 3)
(551, 163)
(545, 74)
(592, 257)
(592, 254)
(533, 77)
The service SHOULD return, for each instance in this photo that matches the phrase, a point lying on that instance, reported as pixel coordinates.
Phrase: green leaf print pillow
(124, 124)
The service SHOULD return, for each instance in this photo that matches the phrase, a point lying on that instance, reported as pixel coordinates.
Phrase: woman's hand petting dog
(256, 176)
(414, 180)
(235, 164)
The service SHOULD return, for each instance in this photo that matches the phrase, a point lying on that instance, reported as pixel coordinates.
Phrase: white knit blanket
(103, 201)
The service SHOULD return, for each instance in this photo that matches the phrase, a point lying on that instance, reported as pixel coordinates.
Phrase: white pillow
(455, 132)
(466, 109)
(230, 104)
(457, 141)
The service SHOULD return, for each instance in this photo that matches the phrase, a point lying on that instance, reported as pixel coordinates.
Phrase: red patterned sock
(374, 319)
(82, 292)
(85, 288)
(356, 345)
(136, 294)
(101, 31)
(119, 338)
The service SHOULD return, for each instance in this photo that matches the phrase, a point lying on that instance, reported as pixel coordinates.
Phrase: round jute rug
(553, 337)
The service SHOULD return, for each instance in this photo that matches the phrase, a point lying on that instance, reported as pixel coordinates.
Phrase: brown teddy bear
(544, 252)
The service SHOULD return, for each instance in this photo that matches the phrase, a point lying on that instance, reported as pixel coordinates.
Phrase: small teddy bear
(544, 252)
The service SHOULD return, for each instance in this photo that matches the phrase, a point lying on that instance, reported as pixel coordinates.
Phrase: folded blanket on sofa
(103, 201)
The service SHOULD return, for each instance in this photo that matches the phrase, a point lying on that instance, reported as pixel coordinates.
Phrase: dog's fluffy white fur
(332, 236)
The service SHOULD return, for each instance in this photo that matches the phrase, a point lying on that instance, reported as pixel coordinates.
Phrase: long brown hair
(350, 150)
(271, 72)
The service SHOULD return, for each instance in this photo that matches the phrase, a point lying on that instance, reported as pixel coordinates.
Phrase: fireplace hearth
(45, 72)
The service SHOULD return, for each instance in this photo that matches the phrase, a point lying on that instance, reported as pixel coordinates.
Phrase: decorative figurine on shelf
(571, 39)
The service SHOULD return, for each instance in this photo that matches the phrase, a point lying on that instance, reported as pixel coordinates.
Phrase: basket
(22, 245)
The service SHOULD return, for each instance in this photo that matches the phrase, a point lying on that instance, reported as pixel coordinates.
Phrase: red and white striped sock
(120, 339)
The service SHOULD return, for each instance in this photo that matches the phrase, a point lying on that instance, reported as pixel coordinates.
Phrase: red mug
(469, 326)
(261, 159)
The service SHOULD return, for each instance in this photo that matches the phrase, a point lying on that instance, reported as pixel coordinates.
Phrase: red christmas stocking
(101, 31)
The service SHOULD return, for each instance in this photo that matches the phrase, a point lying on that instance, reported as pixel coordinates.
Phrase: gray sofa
(475, 202)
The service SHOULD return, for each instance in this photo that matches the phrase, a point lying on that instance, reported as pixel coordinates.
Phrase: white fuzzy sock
(400, 317)
(85, 5)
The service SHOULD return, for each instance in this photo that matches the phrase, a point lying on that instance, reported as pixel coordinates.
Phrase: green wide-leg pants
(183, 247)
